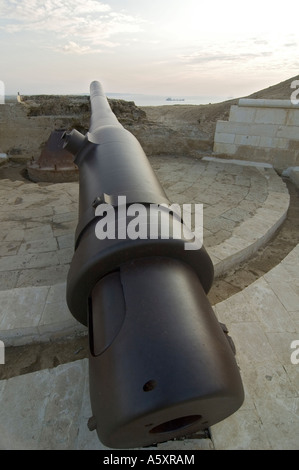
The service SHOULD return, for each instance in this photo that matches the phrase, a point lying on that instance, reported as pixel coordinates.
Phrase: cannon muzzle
(160, 365)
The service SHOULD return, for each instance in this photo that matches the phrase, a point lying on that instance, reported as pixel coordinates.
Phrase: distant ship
(175, 99)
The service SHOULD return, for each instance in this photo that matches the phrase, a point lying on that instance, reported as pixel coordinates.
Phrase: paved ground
(243, 206)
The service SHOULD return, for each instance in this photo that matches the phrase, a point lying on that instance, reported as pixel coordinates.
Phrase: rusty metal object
(55, 164)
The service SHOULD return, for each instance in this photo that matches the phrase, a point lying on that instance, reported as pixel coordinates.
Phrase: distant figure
(19, 98)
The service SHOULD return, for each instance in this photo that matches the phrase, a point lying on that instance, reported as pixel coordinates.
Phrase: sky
(176, 47)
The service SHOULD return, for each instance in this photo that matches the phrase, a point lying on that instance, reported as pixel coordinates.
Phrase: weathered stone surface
(53, 409)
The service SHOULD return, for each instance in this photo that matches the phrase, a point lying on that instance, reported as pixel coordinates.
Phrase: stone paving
(263, 320)
(53, 409)
(243, 206)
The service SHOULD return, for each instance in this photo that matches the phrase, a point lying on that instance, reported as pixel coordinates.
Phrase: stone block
(280, 421)
(284, 158)
(65, 255)
(252, 129)
(293, 117)
(281, 143)
(292, 144)
(270, 311)
(241, 431)
(286, 294)
(220, 148)
(22, 410)
(268, 379)
(266, 103)
(253, 140)
(39, 246)
(9, 248)
(288, 132)
(281, 344)
(271, 116)
(62, 410)
(221, 137)
(235, 309)
(266, 141)
(251, 342)
(38, 233)
(243, 114)
(41, 277)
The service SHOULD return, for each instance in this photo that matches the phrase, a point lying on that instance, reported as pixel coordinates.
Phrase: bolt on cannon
(160, 364)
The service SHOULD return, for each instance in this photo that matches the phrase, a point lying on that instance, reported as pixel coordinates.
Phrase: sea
(166, 100)
(154, 100)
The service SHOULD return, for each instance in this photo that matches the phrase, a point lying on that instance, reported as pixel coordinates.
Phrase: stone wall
(26, 125)
(260, 130)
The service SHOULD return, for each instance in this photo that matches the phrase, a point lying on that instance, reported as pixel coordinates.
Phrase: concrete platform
(243, 206)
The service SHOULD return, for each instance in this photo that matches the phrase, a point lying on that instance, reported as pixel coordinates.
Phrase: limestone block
(251, 342)
(21, 310)
(229, 149)
(288, 132)
(269, 379)
(60, 415)
(241, 431)
(293, 144)
(238, 114)
(293, 117)
(267, 103)
(266, 141)
(284, 158)
(281, 143)
(39, 246)
(271, 313)
(253, 140)
(271, 116)
(244, 128)
(223, 126)
(235, 309)
(225, 138)
(22, 410)
(285, 412)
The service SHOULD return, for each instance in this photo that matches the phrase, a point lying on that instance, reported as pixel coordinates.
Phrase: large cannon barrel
(160, 365)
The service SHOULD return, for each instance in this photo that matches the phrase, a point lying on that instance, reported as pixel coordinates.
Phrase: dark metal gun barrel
(101, 114)
(160, 365)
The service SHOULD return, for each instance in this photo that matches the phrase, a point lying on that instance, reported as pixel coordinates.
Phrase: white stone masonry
(261, 130)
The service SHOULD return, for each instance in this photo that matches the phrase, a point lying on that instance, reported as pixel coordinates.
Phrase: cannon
(160, 364)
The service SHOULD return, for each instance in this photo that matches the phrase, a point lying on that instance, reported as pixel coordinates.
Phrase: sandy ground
(204, 117)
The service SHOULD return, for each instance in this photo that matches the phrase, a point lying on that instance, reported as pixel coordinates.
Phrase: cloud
(91, 23)
(290, 44)
(200, 58)
(72, 47)
(261, 42)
